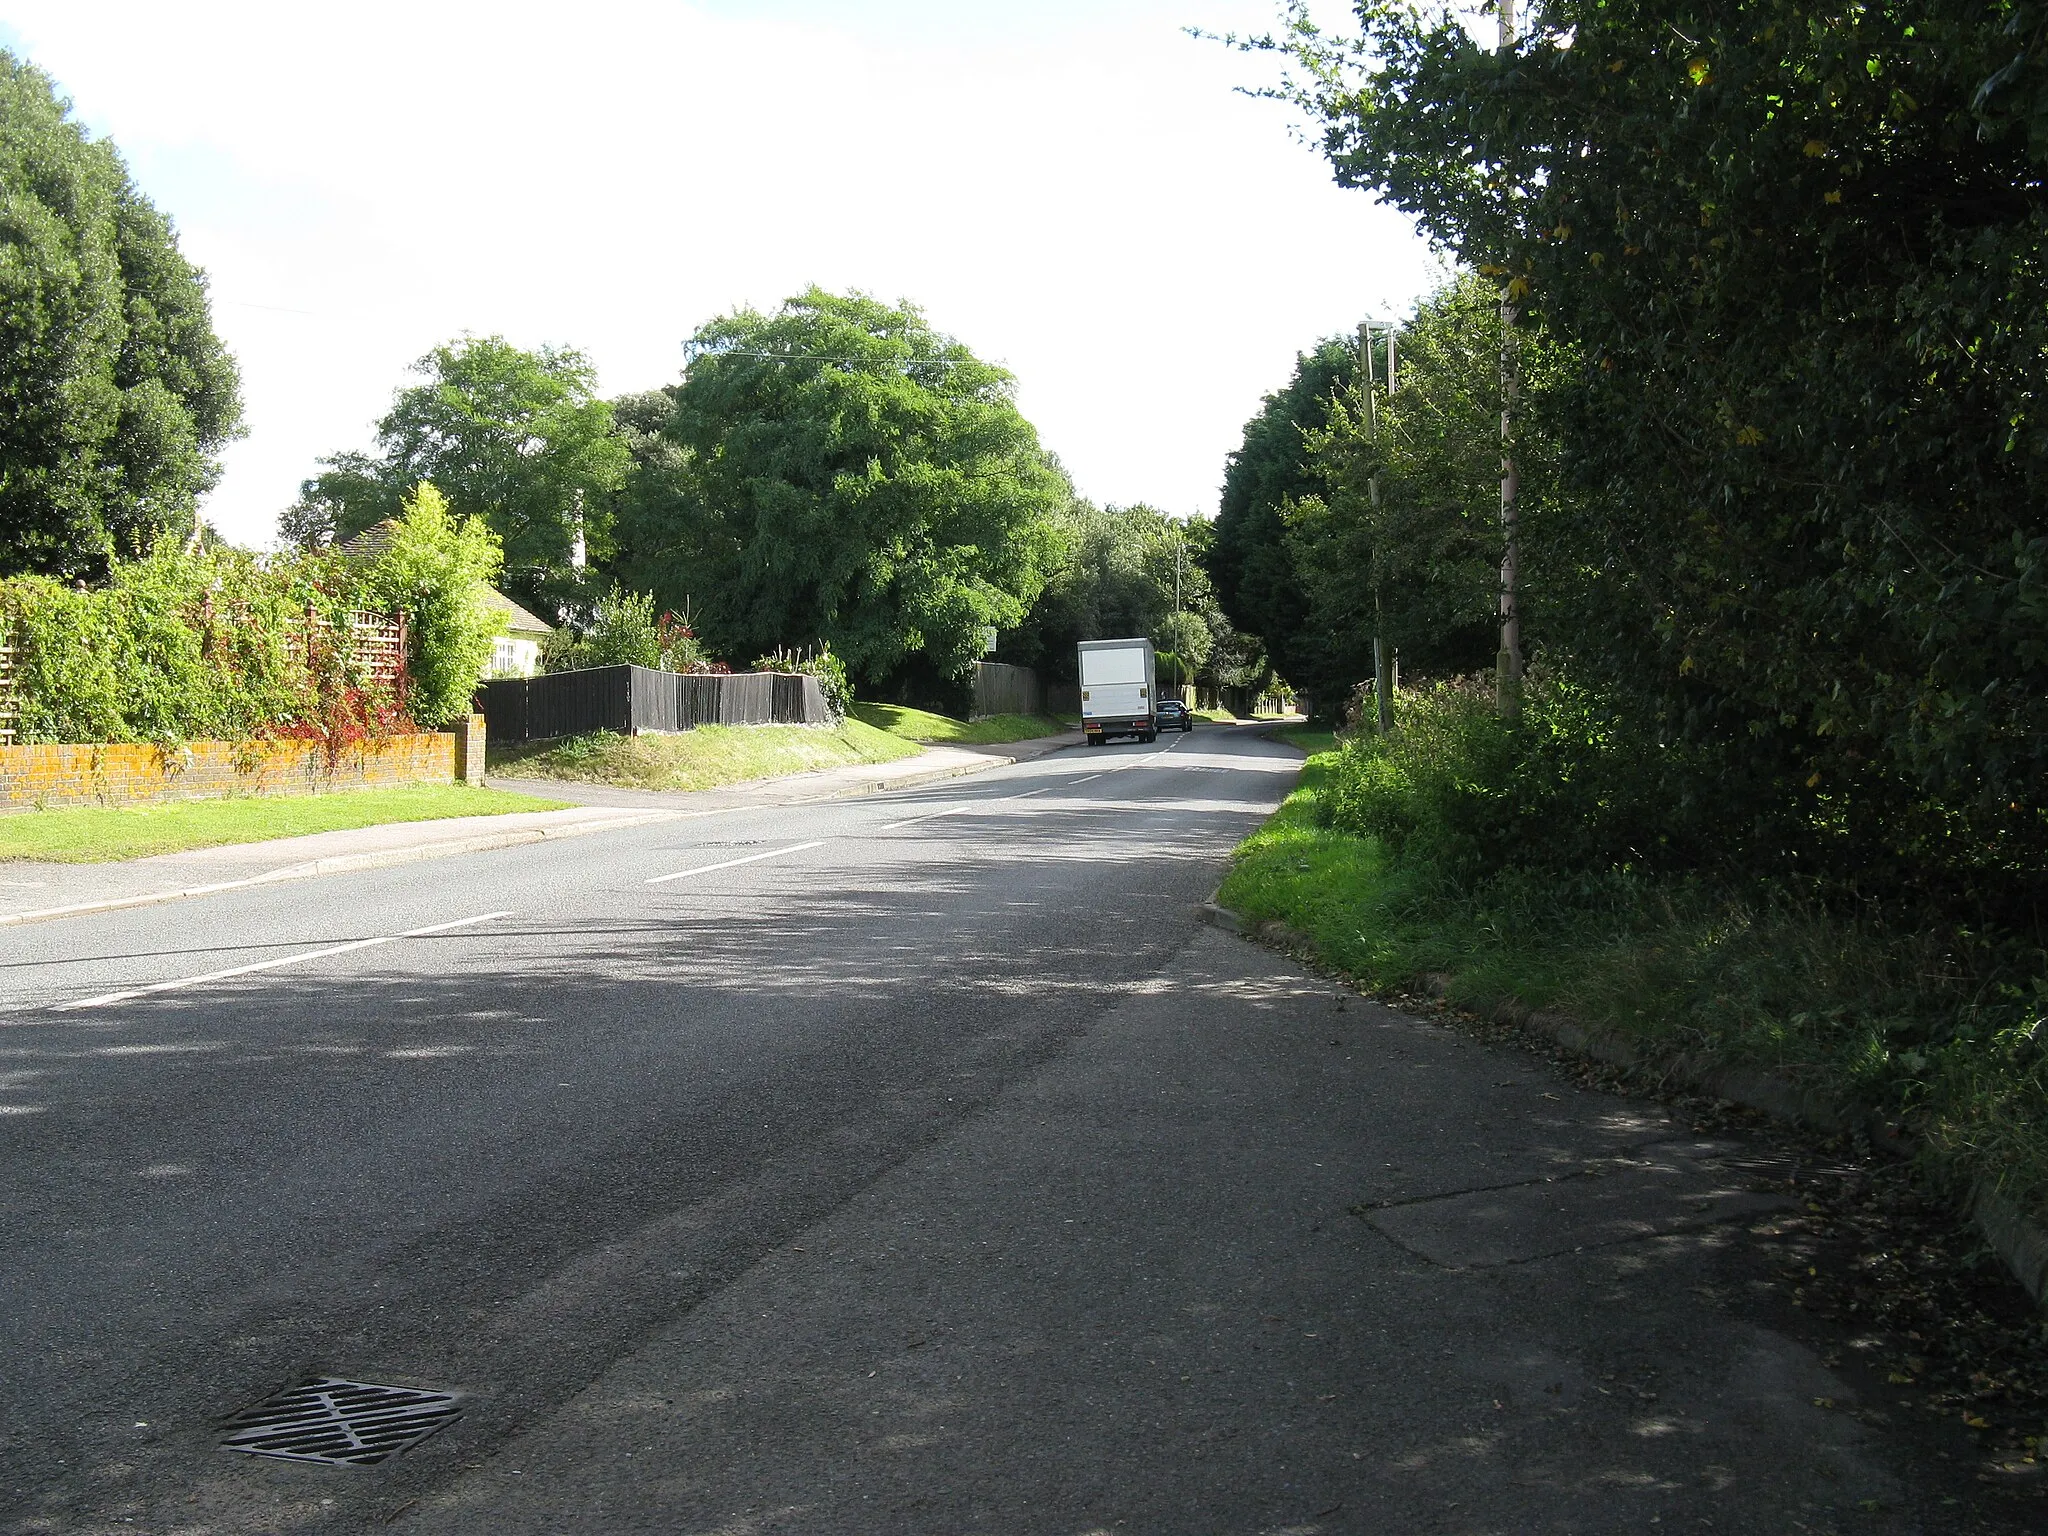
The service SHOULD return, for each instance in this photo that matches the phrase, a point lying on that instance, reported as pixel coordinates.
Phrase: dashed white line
(752, 858)
(270, 965)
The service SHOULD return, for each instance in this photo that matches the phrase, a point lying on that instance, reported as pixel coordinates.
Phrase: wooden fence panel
(1001, 689)
(629, 700)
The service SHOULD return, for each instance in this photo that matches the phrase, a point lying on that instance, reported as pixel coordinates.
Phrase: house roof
(372, 542)
(517, 620)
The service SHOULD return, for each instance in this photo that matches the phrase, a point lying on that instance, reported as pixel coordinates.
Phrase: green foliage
(1794, 255)
(1563, 787)
(1259, 585)
(622, 633)
(433, 569)
(513, 437)
(1402, 540)
(626, 631)
(115, 394)
(840, 472)
(207, 644)
(1116, 576)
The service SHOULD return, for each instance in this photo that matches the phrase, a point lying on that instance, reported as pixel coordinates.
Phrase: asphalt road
(914, 1163)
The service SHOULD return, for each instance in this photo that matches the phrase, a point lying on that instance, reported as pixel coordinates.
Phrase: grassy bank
(704, 758)
(98, 834)
(943, 730)
(1887, 1019)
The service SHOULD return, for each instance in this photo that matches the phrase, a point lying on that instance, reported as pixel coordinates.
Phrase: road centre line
(972, 805)
(752, 858)
(270, 965)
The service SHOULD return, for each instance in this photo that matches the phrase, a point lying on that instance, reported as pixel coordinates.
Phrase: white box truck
(1117, 690)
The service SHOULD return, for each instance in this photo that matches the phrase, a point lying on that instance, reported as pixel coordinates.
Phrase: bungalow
(516, 653)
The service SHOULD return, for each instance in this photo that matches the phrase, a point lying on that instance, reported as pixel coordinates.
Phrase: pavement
(913, 1162)
(33, 891)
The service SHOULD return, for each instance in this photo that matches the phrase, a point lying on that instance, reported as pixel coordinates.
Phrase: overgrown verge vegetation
(99, 834)
(703, 758)
(195, 643)
(1439, 850)
(923, 726)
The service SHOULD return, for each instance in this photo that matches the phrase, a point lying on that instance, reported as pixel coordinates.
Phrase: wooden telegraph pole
(1382, 652)
(1508, 665)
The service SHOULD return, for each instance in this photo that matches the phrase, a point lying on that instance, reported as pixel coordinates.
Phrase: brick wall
(125, 774)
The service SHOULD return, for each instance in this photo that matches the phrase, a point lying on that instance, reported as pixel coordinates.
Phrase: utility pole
(1382, 652)
(1508, 666)
(1180, 548)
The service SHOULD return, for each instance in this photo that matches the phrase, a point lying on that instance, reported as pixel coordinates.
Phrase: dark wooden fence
(630, 700)
(1001, 689)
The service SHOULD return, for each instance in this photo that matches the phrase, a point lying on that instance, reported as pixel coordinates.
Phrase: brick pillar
(469, 749)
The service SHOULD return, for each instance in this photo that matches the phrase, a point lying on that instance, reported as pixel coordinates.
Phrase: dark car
(1173, 715)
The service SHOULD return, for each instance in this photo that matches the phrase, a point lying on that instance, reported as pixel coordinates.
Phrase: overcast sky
(1072, 189)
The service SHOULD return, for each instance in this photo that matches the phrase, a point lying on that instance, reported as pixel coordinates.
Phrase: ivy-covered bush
(222, 644)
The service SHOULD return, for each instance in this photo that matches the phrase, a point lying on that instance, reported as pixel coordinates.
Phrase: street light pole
(1508, 665)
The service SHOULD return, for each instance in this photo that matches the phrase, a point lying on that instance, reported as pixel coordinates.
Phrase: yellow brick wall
(122, 773)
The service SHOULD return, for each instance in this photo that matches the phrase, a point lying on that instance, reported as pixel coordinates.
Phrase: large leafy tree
(115, 394)
(1402, 540)
(1250, 560)
(1798, 252)
(1116, 577)
(515, 437)
(838, 471)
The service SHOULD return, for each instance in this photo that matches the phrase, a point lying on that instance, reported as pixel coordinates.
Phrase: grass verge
(1310, 739)
(1871, 1016)
(943, 730)
(704, 758)
(99, 834)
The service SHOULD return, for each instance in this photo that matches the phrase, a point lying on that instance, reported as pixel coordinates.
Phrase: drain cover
(340, 1423)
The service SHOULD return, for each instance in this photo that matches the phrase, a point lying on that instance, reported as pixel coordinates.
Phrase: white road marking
(752, 858)
(911, 821)
(270, 965)
(972, 805)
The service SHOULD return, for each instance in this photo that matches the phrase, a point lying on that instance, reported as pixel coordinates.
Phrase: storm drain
(340, 1423)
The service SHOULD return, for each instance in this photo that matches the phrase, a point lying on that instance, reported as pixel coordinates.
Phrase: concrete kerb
(482, 842)
(2014, 1236)
(341, 863)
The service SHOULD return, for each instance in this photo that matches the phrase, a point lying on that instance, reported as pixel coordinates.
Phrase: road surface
(915, 1163)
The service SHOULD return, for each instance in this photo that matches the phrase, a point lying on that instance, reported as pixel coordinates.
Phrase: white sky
(1071, 187)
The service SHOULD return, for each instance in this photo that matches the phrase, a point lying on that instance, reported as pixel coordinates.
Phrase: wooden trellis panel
(379, 646)
(10, 703)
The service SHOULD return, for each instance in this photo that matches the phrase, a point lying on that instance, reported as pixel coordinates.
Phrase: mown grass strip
(943, 730)
(704, 758)
(101, 834)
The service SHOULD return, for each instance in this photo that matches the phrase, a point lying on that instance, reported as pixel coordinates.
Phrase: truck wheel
(1149, 737)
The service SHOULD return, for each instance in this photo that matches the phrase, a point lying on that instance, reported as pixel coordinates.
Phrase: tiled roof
(372, 542)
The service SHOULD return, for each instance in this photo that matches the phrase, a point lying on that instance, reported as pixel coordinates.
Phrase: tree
(1796, 253)
(434, 569)
(1403, 538)
(115, 393)
(516, 438)
(838, 471)
(1116, 577)
(1251, 562)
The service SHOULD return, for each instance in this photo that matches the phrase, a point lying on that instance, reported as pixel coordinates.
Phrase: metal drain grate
(340, 1423)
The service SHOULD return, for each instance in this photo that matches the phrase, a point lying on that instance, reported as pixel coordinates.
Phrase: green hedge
(222, 644)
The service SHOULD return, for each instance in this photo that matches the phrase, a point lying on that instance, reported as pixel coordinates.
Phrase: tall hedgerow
(433, 570)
